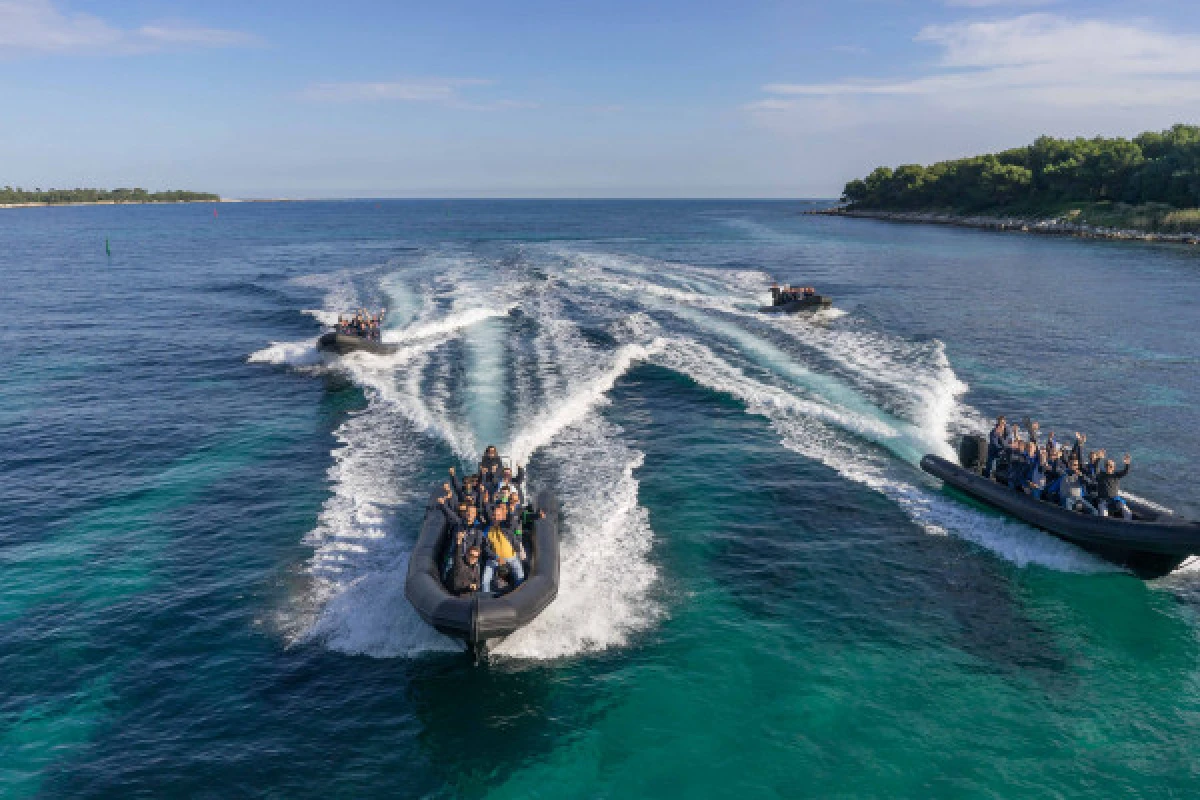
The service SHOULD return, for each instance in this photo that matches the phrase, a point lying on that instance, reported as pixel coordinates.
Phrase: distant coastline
(17, 197)
(148, 202)
(113, 203)
(1054, 226)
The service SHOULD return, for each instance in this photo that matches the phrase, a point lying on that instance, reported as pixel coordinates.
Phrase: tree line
(13, 195)
(1154, 167)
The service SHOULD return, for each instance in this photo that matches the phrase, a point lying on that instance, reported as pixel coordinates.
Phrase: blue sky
(567, 98)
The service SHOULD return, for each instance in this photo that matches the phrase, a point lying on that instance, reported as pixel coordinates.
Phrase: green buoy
(107, 248)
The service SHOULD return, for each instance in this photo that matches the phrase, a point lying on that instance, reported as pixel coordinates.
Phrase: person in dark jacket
(496, 479)
(996, 442)
(508, 479)
(1033, 430)
(1018, 465)
(1033, 482)
(491, 459)
(1108, 489)
(465, 578)
(466, 529)
(468, 490)
(1071, 490)
(1056, 467)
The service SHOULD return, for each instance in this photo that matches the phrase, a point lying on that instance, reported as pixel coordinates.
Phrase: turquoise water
(204, 526)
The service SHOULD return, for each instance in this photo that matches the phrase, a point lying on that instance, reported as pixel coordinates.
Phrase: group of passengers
(1054, 472)
(487, 521)
(788, 294)
(363, 325)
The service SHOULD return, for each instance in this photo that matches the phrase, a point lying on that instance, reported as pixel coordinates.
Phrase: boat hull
(814, 303)
(481, 621)
(1150, 547)
(341, 344)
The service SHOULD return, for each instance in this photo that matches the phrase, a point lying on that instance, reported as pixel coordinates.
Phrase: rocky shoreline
(1054, 226)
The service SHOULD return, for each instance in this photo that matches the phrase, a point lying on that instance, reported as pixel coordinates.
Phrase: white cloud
(191, 35)
(997, 3)
(991, 85)
(447, 92)
(413, 91)
(1034, 59)
(39, 27)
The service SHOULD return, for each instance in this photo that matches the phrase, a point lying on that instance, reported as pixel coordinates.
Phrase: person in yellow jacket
(502, 550)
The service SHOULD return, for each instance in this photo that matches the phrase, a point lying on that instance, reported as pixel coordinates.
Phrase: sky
(565, 98)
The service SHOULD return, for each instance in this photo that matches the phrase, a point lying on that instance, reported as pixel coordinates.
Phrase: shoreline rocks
(1053, 226)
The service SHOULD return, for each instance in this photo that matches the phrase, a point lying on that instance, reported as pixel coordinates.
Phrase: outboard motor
(972, 453)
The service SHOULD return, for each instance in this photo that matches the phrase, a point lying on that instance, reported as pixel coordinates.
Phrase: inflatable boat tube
(341, 344)
(1150, 545)
(478, 620)
(817, 302)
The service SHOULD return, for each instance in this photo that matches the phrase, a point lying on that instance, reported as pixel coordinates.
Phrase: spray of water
(525, 353)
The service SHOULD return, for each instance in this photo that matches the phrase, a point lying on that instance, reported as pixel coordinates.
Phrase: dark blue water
(204, 526)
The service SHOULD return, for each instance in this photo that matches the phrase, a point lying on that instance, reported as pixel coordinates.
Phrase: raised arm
(451, 517)
(1123, 471)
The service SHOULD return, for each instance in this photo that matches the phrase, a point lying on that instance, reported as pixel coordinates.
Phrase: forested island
(17, 197)
(1150, 183)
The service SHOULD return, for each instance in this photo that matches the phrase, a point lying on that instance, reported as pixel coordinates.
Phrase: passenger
(465, 577)
(497, 499)
(526, 517)
(1056, 462)
(1070, 489)
(1031, 427)
(1033, 483)
(507, 478)
(502, 550)
(506, 521)
(1018, 463)
(467, 490)
(997, 440)
(490, 459)
(465, 526)
(491, 480)
(1108, 489)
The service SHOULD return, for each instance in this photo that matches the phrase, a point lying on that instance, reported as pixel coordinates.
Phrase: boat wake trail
(499, 349)
(866, 404)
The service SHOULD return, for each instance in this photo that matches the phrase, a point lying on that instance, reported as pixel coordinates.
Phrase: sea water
(205, 523)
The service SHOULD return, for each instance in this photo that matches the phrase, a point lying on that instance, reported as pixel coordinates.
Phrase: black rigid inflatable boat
(341, 343)
(480, 620)
(1150, 545)
(816, 302)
